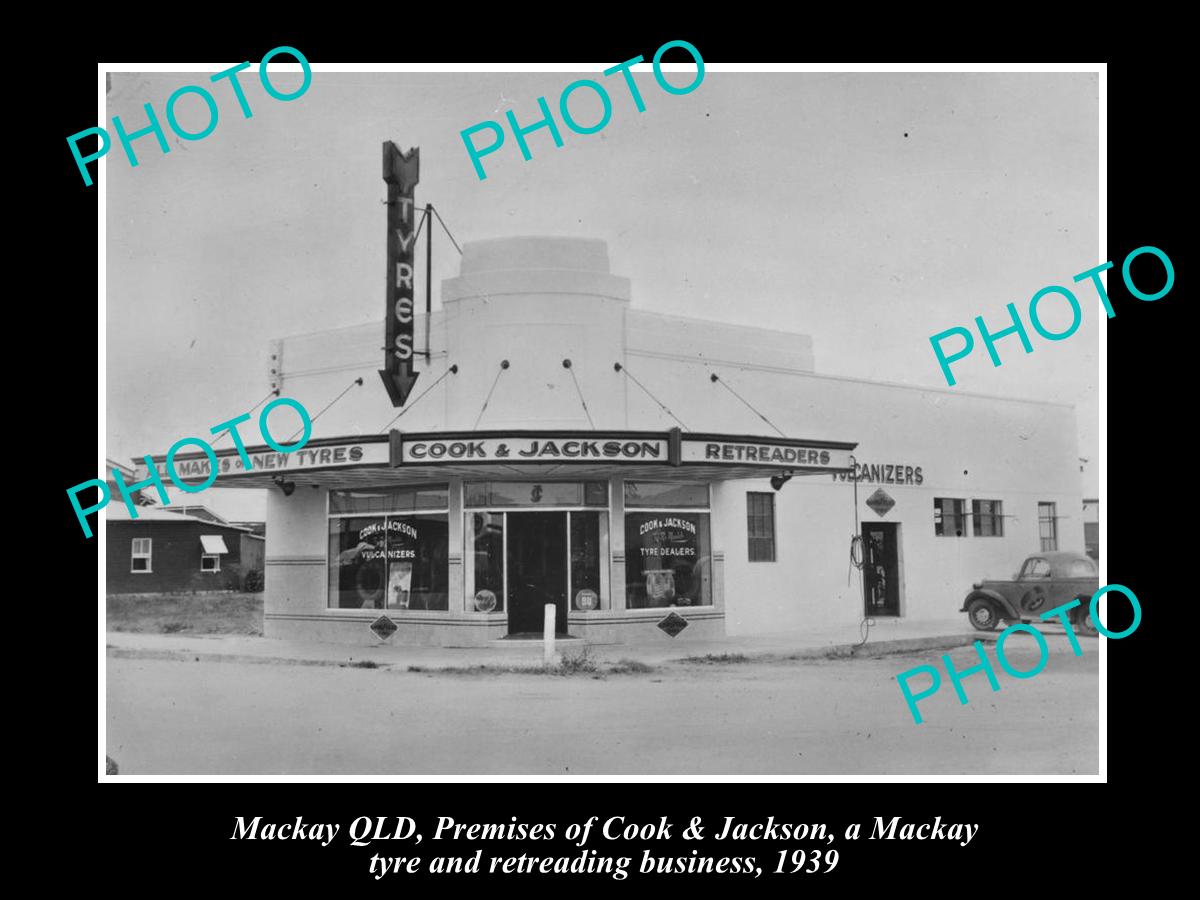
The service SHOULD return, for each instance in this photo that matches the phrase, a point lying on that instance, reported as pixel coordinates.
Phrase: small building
(654, 477)
(162, 551)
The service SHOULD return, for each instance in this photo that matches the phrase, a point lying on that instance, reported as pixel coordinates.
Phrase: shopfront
(465, 538)
(654, 477)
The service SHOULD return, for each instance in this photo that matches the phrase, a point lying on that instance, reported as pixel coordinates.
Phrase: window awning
(213, 543)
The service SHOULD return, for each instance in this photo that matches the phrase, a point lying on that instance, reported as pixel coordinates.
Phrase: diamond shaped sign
(880, 502)
(383, 628)
(673, 624)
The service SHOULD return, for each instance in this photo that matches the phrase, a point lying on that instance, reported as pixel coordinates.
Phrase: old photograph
(663, 419)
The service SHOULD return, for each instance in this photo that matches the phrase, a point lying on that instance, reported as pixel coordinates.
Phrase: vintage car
(1046, 580)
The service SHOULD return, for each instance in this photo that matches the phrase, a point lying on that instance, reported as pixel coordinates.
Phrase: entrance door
(537, 570)
(881, 568)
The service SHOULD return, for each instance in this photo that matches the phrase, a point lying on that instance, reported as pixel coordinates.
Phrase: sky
(868, 210)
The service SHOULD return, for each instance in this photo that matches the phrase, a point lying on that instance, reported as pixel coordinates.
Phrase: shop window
(140, 558)
(668, 559)
(665, 494)
(485, 561)
(589, 552)
(948, 517)
(988, 518)
(1048, 526)
(760, 526)
(535, 493)
(210, 562)
(391, 560)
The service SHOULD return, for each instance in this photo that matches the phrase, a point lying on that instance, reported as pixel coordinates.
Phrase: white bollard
(548, 634)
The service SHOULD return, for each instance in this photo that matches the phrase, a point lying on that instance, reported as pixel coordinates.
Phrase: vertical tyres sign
(401, 173)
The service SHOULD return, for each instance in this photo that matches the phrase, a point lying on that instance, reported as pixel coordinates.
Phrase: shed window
(140, 558)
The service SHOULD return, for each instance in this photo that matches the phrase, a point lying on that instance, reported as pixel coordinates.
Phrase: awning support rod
(620, 368)
(717, 380)
(452, 369)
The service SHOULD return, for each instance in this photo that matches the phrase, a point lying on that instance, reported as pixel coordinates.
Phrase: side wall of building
(175, 557)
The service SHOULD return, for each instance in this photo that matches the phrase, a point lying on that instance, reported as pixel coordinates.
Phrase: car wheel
(982, 615)
(1084, 620)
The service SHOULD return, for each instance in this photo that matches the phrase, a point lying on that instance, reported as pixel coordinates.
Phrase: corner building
(539, 472)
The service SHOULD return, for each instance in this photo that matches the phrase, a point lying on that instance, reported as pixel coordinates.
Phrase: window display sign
(388, 562)
(667, 560)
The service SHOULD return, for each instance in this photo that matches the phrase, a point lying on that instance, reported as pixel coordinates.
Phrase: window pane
(536, 493)
(987, 519)
(667, 561)
(585, 559)
(1080, 568)
(595, 493)
(1048, 526)
(389, 499)
(760, 526)
(356, 565)
(485, 561)
(418, 574)
(392, 562)
(949, 516)
(665, 494)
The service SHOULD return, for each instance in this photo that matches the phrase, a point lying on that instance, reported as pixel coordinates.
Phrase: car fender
(1006, 608)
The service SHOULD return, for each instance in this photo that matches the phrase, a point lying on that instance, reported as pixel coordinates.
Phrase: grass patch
(717, 659)
(629, 667)
(230, 613)
(583, 664)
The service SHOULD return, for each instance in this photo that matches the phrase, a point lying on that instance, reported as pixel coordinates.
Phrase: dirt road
(811, 717)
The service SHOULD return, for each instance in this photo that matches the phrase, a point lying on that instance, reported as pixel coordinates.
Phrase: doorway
(537, 570)
(881, 569)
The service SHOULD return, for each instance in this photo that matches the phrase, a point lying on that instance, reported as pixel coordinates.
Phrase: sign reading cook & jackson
(670, 448)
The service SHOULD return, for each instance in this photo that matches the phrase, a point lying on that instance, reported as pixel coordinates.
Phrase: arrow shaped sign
(400, 172)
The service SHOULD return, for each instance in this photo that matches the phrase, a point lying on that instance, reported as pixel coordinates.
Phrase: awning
(408, 458)
(213, 543)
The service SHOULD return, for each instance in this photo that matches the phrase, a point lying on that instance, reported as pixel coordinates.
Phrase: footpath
(885, 637)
